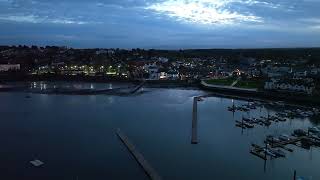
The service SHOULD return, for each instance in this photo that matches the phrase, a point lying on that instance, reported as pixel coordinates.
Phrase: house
(274, 74)
(163, 59)
(300, 74)
(163, 75)
(9, 67)
(105, 51)
(315, 71)
(173, 75)
(247, 61)
(291, 85)
(152, 70)
(276, 71)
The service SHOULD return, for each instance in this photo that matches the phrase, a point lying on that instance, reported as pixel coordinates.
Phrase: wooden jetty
(260, 151)
(305, 141)
(194, 138)
(153, 175)
(258, 154)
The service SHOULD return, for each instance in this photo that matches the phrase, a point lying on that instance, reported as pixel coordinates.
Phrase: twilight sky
(165, 24)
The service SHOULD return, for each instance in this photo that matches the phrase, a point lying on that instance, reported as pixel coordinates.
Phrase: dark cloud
(130, 23)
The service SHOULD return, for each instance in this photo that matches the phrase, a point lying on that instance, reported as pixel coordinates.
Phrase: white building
(300, 74)
(277, 71)
(153, 71)
(173, 75)
(315, 71)
(105, 51)
(8, 67)
(276, 84)
(163, 59)
(163, 75)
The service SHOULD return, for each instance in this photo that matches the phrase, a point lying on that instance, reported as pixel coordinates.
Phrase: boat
(303, 178)
(244, 109)
(241, 125)
(281, 114)
(280, 103)
(300, 132)
(255, 120)
(314, 142)
(273, 118)
(200, 99)
(272, 139)
(284, 137)
(314, 129)
(247, 119)
(278, 152)
(256, 146)
(244, 124)
(249, 125)
(316, 111)
(267, 123)
(282, 119)
(267, 151)
(304, 114)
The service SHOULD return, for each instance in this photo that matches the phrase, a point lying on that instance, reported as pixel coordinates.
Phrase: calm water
(75, 137)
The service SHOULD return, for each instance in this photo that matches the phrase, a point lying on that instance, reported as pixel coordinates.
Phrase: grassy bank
(249, 84)
(221, 82)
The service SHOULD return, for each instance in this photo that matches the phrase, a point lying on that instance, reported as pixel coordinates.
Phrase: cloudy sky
(165, 24)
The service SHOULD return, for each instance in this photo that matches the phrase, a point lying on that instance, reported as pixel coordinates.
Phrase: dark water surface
(75, 137)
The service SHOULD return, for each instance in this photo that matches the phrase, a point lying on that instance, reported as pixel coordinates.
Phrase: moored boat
(300, 132)
(314, 129)
(278, 152)
(284, 137)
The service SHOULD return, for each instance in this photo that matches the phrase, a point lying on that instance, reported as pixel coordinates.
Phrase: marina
(269, 119)
(273, 144)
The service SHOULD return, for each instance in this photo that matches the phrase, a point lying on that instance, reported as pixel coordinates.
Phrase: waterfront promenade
(203, 83)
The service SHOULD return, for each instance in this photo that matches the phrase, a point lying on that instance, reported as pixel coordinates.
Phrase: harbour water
(75, 137)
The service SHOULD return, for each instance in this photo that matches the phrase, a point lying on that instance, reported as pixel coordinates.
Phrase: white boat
(200, 99)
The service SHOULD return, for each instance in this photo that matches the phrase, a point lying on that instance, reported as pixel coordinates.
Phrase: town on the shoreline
(285, 70)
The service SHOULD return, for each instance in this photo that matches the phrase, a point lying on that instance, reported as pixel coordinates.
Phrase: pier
(284, 143)
(194, 138)
(152, 174)
(259, 151)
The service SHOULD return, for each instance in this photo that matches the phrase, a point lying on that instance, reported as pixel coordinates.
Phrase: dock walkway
(260, 151)
(138, 156)
(194, 138)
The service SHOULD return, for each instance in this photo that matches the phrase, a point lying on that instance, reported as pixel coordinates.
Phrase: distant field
(250, 84)
(221, 82)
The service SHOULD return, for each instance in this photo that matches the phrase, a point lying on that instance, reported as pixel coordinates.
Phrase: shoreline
(292, 98)
(267, 96)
